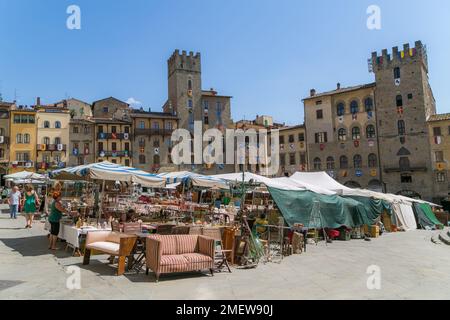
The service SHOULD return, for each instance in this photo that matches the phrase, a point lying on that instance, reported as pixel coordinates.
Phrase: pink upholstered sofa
(179, 253)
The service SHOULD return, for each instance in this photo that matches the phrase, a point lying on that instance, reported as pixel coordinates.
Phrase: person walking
(56, 213)
(30, 204)
(13, 201)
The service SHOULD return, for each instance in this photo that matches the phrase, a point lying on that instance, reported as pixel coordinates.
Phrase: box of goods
(345, 235)
(374, 231)
(366, 229)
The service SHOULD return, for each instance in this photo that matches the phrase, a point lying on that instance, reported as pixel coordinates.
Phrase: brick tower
(185, 87)
(404, 101)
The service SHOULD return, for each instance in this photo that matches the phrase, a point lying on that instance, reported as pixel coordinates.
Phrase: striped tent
(109, 172)
(197, 180)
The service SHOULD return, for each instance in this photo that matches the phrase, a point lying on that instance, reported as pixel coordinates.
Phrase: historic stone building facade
(293, 155)
(376, 135)
(342, 137)
(5, 108)
(52, 137)
(112, 131)
(152, 145)
(190, 103)
(439, 139)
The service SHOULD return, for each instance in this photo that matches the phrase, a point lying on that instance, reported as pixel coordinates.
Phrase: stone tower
(404, 101)
(185, 87)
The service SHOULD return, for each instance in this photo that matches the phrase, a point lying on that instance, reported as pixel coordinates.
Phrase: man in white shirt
(13, 201)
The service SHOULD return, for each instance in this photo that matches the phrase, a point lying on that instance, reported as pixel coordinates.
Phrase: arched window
(373, 161)
(356, 133)
(401, 127)
(343, 162)
(317, 164)
(354, 108)
(141, 142)
(357, 161)
(189, 84)
(57, 140)
(368, 104)
(141, 159)
(58, 125)
(46, 140)
(156, 159)
(19, 138)
(46, 124)
(330, 163)
(370, 131)
(342, 134)
(26, 138)
(340, 109)
(399, 101)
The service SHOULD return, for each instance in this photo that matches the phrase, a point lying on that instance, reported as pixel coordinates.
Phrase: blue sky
(267, 54)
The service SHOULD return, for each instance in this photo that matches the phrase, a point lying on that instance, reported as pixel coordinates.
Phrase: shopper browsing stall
(56, 213)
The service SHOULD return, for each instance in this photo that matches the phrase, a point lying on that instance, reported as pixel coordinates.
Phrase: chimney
(312, 92)
(38, 101)
(339, 86)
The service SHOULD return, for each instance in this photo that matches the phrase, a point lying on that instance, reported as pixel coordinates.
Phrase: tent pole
(100, 211)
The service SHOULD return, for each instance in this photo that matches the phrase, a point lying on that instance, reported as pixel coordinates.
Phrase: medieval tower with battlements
(404, 102)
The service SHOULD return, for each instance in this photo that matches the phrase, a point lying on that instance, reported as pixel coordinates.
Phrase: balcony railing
(113, 136)
(416, 168)
(51, 147)
(22, 164)
(114, 154)
(52, 165)
(153, 132)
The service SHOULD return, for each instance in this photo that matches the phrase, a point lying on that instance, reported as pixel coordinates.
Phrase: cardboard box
(374, 231)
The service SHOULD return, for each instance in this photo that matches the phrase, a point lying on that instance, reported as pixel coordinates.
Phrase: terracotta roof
(342, 90)
(137, 113)
(439, 117)
(300, 126)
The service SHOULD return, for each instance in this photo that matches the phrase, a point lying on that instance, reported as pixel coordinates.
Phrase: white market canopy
(25, 175)
(109, 172)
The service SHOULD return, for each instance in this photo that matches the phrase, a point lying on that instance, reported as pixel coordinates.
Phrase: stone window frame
(373, 103)
(330, 163)
(358, 104)
(357, 161)
(374, 131)
(317, 163)
(340, 128)
(372, 160)
(337, 108)
(354, 136)
(343, 162)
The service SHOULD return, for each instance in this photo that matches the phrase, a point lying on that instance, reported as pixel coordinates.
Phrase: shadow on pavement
(102, 268)
(33, 247)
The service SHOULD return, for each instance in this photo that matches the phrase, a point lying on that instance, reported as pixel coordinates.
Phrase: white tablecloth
(71, 234)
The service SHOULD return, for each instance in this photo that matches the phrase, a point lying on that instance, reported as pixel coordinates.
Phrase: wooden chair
(115, 226)
(132, 228)
(195, 230)
(180, 230)
(164, 229)
(220, 256)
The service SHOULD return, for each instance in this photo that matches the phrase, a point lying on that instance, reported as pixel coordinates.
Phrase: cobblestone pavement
(412, 267)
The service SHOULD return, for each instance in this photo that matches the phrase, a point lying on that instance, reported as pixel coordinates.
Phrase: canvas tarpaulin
(426, 216)
(336, 211)
(374, 207)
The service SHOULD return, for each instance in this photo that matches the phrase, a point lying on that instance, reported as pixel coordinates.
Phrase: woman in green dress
(30, 203)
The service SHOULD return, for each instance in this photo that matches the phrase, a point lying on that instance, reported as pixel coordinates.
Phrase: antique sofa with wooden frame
(179, 253)
(113, 243)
